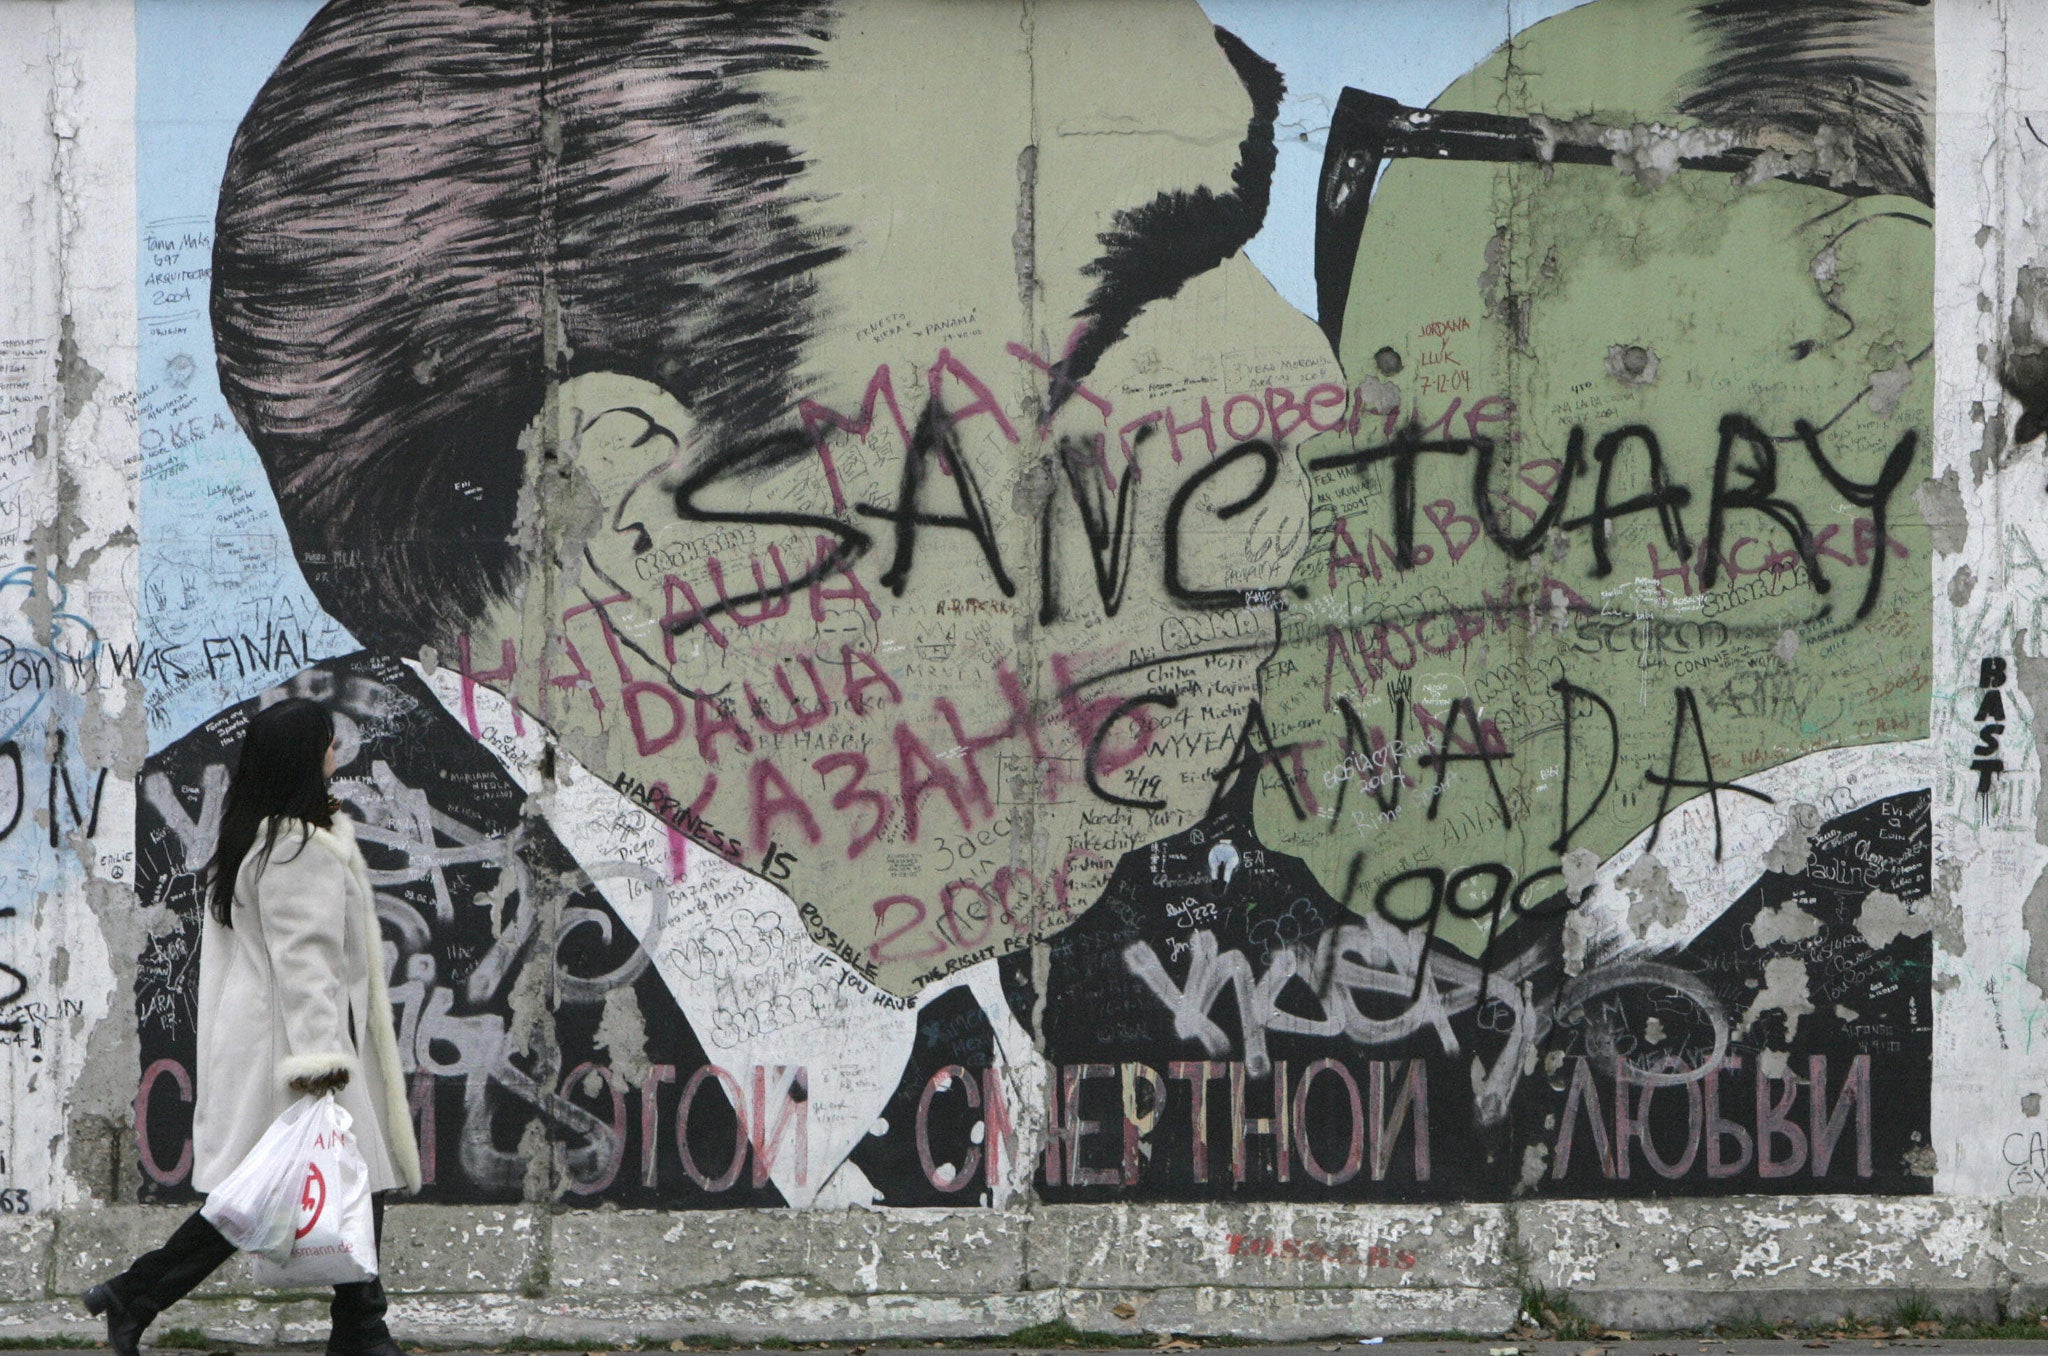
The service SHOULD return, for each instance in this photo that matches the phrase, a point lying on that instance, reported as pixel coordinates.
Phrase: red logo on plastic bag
(312, 1200)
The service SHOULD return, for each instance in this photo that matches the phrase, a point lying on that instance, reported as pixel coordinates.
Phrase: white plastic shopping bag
(256, 1208)
(334, 1237)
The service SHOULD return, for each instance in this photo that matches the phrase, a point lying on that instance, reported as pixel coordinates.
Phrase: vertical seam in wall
(1025, 1230)
(1514, 1256)
(2004, 1282)
(547, 235)
(49, 1286)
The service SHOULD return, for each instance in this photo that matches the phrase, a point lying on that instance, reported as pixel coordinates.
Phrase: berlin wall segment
(980, 708)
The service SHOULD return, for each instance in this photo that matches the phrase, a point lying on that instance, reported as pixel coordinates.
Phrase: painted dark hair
(1859, 71)
(434, 208)
(281, 775)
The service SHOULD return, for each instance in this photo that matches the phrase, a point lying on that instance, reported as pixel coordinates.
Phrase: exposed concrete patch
(1579, 866)
(1885, 916)
(1785, 923)
(622, 1034)
(1652, 899)
(1990, 453)
(1578, 941)
(1535, 1163)
(1941, 507)
(75, 376)
(1024, 240)
(1793, 851)
(1376, 396)
(1961, 585)
(1632, 364)
(1826, 268)
(107, 1161)
(1648, 152)
(1785, 990)
(1829, 154)
(1888, 387)
(92, 1152)
(1948, 915)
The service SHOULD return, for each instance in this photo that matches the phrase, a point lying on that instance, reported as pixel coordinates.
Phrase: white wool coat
(295, 989)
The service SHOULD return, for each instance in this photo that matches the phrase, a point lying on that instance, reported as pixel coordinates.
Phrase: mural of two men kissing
(895, 668)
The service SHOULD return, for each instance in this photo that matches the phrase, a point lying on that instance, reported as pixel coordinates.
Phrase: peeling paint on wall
(901, 708)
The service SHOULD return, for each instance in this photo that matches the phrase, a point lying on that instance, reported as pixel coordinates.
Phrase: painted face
(1630, 395)
(1000, 620)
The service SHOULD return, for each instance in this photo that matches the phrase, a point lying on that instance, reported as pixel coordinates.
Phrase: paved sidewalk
(1678, 1345)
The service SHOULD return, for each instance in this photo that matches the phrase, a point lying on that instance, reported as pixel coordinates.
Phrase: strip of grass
(1555, 1313)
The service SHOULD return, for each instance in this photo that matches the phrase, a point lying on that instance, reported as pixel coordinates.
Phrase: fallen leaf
(1124, 1309)
(1177, 1344)
(860, 1351)
(1617, 1335)
(679, 1345)
(1816, 1346)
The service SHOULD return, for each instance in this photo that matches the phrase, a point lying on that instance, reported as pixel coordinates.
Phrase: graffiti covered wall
(956, 604)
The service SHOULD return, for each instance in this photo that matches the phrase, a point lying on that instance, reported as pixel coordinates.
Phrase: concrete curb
(490, 1274)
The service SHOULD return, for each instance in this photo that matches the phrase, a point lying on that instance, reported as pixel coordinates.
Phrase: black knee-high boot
(357, 1312)
(156, 1280)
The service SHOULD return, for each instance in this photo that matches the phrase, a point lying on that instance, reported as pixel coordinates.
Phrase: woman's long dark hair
(282, 774)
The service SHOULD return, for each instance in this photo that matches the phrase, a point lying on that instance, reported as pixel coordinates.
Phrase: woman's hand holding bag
(319, 1085)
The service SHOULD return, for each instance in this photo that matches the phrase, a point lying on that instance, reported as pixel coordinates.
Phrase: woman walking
(291, 1000)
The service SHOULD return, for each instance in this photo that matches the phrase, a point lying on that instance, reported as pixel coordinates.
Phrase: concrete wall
(1293, 666)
